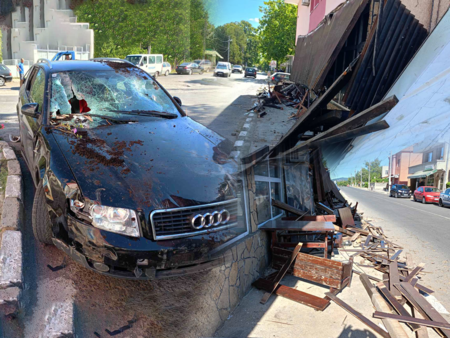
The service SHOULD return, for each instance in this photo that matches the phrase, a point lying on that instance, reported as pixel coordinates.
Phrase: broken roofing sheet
(316, 52)
(422, 116)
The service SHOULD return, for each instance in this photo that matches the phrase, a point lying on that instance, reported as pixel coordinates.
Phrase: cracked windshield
(238, 168)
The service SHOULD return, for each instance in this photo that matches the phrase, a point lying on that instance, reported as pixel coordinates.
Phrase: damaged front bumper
(140, 258)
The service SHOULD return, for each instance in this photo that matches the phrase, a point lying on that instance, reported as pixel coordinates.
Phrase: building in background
(434, 169)
(40, 29)
(400, 163)
(385, 171)
(310, 13)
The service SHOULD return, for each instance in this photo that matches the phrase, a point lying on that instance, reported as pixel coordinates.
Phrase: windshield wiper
(110, 118)
(148, 113)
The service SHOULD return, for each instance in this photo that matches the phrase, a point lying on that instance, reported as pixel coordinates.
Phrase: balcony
(428, 166)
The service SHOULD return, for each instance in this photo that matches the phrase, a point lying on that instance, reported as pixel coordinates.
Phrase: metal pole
(228, 58)
(390, 164)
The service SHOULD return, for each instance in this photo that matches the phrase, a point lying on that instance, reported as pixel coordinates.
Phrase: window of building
(267, 186)
(429, 157)
(441, 154)
(398, 163)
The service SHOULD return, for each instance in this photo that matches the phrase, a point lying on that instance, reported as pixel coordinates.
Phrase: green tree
(235, 32)
(277, 29)
(251, 53)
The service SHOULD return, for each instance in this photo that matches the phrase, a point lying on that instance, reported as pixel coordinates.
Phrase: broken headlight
(122, 221)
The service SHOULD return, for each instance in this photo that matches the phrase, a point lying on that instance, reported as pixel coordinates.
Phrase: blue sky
(226, 11)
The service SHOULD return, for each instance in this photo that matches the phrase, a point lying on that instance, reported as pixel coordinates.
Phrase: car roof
(80, 65)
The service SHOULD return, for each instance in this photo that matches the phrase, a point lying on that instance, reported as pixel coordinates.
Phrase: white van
(223, 69)
(151, 63)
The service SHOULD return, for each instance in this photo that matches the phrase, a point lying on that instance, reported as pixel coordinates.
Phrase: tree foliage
(174, 28)
(277, 30)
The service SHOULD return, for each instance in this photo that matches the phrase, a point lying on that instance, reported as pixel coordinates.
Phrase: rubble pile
(287, 94)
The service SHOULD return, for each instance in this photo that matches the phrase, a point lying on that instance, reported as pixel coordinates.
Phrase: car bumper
(221, 74)
(8, 78)
(117, 256)
(432, 199)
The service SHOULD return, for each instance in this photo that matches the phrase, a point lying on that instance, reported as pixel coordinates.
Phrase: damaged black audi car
(126, 183)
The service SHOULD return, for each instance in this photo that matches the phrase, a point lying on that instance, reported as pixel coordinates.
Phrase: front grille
(176, 222)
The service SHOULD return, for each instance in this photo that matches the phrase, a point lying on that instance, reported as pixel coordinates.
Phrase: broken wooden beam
(409, 319)
(287, 207)
(358, 315)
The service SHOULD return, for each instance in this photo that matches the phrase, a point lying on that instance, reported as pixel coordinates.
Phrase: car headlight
(122, 221)
(429, 196)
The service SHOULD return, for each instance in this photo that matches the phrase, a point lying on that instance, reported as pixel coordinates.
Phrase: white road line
(428, 212)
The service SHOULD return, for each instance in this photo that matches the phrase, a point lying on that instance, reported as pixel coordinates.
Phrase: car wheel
(2, 82)
(396, 195)
(41, 224)
(424, 201)
(190, 72)
(167, 73)
(440, 203)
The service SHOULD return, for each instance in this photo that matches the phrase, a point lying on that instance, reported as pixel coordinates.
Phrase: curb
(11, 277)
(59, 321)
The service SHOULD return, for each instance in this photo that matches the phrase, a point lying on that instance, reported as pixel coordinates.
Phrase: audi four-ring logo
(210, 219)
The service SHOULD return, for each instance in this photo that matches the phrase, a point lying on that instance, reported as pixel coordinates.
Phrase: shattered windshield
(104, 94)
(134, 59)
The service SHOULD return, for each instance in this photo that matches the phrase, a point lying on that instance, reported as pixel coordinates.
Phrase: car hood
(151, 165)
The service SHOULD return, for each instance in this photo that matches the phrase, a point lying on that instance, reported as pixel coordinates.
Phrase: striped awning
(423, 173)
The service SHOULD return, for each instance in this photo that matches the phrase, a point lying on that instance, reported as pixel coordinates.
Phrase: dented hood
(150, 165)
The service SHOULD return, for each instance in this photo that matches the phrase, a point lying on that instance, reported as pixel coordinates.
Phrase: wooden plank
(344, 231)
(418, 286)
(376, 279)
(346, 217)
(395, 304)
(358, 315)
(355, 237)
(281, 273)
(394, 328)
(413, 273)
(295, 295)
(367, 284)
(395, 256)
(287, 207)
(278, 224)
(311, 259)
(366, 243)
(422, 332)
(394, 279)
(421, 304)
(424, 322)
(318, 218)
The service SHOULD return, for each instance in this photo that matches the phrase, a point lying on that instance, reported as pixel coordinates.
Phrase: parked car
(166, 69)
(189, 68)
(400, 190)
(427, 194)
(280, 77)
(151, 63)
(444, 199)
(237, 69)
(223, 69)
(155, 214)
(250, 71)
(206, 64)
(5, 75)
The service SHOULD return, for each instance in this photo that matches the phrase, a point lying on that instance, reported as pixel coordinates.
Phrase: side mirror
(177, 100)
(31, 110)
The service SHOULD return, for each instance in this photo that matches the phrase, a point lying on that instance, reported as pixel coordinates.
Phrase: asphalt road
(422, 229)
(165, 308)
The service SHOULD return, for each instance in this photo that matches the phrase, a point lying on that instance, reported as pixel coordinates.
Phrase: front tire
(41, 224)
(424, 201)
(190, 72)
(167, 73)
(440, 203)
(396, 195)
(2, 82)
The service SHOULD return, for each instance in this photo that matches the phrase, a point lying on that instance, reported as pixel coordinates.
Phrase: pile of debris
(287, 94)
(392, 295)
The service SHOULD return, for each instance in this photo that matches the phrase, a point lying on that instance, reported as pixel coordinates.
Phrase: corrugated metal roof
(316, 52)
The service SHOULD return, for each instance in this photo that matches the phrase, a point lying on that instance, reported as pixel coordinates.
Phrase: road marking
(238, 143)
(406, 206)
(246, 126)
(249, 119)
(243, 133)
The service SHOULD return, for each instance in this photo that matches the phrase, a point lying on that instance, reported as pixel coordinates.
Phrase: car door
(446, 198)
(29, 126)
(195, 68)
(392, 192)
(419, 193)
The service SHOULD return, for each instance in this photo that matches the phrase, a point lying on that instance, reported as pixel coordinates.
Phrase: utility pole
(229, 40)
(390, 164)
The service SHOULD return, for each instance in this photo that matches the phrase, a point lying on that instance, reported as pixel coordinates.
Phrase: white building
(42, 30)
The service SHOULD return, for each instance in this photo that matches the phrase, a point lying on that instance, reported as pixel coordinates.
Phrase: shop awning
(423, 173)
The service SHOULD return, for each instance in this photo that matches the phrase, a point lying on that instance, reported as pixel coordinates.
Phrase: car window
(159, 59)
(431, 190)
(38, 89)
(420, 189)
(144, 60)
(151, 60)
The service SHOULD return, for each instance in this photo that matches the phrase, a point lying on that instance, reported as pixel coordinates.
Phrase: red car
(427, 195)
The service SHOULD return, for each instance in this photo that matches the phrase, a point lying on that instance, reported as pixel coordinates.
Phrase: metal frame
(209, 230)
(49, 64)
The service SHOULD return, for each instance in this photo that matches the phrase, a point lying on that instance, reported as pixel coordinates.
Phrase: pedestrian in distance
(21, 71)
